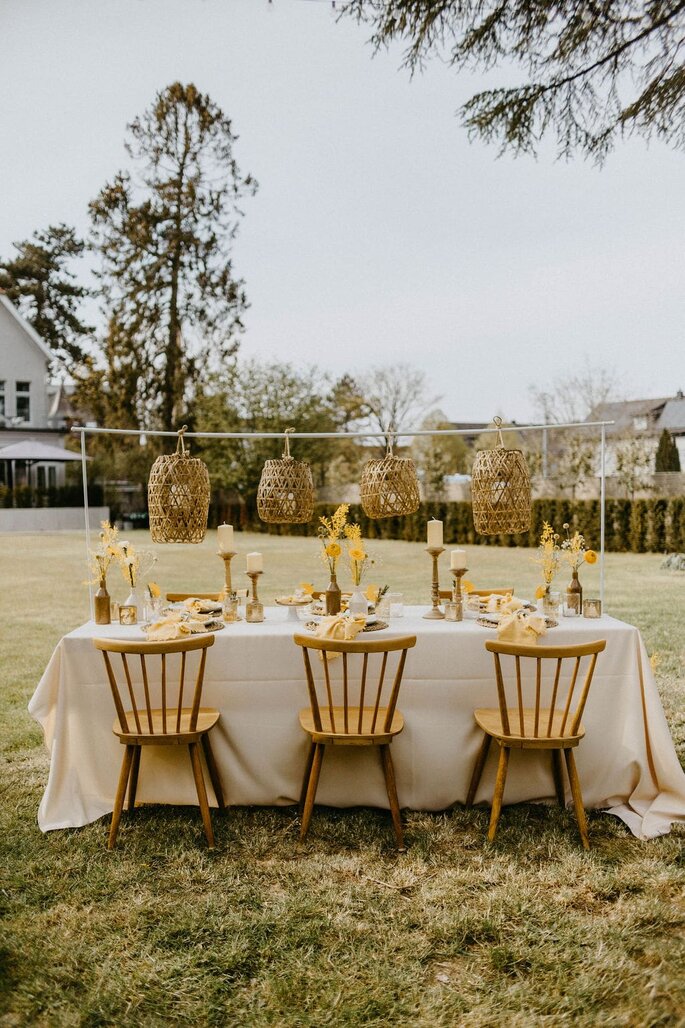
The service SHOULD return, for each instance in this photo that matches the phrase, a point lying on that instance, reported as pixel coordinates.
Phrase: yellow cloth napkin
(511, 605)
(173, 626)
(338, 628)
(519, 627)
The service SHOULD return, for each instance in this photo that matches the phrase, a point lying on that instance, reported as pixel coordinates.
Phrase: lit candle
(458, 560)
(435, 534)
(225, 537)
(255, 562)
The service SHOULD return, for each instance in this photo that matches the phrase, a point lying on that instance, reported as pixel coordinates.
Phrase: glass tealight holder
(254, 611)
(453, 611)
(128, 614)
(551, 604)
(230, 610)
(572, 605)
(383, 606)
(592, 608)
(396, 605)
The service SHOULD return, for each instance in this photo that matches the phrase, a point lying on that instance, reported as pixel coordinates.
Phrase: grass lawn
(339, 930)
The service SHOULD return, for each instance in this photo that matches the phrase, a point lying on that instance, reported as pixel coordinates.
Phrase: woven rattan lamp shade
(500, 490)
(286, 490)
(389, 487)
(178, 497)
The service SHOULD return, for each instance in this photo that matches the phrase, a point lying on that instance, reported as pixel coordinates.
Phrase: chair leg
(577, 797)
(213, 772)
(305, 779)
(391, 787)
(119, 798)
(312, 786)
(558, 773)
(499, 792)
(478, 769)
(133, 784)
(201, 793)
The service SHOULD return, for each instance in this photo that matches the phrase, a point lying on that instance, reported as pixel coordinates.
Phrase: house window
(24, 401)
(640, 423)
(2, 399)
(40, 477)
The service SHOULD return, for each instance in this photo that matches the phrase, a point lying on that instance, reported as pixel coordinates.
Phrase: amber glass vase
(333, 596)
(574, 594)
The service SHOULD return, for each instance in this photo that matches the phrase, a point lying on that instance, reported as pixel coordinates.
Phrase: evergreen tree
(594, 70)
(165, 236)
(667, 456)
(39, 280)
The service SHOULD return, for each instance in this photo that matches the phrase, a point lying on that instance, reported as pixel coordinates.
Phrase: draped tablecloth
(254, 676)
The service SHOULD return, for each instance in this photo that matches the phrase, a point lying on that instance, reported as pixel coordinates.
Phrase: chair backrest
(446, 593)
(555, 690)
(357, 681)
(179, 597)
(127, 689)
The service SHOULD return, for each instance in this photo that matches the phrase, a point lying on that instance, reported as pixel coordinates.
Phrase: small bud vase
(574, 594)
(102, 604)
(357, 603)
(333, 596)
(134, 600)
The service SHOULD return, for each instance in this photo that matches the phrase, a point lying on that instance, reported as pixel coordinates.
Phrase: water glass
(396, 605)
(551, 604)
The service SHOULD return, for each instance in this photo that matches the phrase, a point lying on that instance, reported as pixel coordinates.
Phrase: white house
(30, 407)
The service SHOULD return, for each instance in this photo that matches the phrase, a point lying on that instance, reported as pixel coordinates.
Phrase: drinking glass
(396, 605)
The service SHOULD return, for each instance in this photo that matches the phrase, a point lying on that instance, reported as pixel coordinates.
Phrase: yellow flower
(467, 587)
(590, 557)
(154, 590)
(333, 550)
(306, 587)
(372, 593)
(540, 592)
(357, 554)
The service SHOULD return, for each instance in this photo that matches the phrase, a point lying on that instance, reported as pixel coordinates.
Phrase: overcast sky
(379, 233)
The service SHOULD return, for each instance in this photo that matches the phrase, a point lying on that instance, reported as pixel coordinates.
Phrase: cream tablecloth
(254, 675)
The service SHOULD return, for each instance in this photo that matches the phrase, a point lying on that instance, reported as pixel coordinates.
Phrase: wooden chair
(350, 712)
(446, 594)
(556, 727)
(179, 597)
(172, 724)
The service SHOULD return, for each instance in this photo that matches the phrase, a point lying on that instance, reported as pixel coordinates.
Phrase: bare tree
(395, 397)
(438, 456)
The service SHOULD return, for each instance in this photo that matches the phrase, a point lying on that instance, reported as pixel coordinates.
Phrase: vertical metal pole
(84, 476)
(544, 454)
(602, 506)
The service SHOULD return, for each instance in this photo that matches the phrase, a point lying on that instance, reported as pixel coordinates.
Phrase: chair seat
(353, 737)
(207, 717)
(491, 723)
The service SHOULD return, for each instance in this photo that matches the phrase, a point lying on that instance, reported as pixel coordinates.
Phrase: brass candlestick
(435, 613)
(454, 610)
(230, 598)
(254, 610)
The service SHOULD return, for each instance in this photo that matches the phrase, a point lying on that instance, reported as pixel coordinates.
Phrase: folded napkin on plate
(511, 605)
(339, 629)
(173, 626)
(519, 627)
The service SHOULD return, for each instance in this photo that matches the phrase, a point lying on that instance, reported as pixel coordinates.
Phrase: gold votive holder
(254, 609)
(230, 609)
(128, 614)
(592, 608)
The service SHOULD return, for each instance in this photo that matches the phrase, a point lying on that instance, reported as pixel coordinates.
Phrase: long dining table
(254, 675)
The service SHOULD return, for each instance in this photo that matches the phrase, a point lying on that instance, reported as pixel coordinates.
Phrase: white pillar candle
(435, 534)
(458, 560)
(255, 562)
(225, 537)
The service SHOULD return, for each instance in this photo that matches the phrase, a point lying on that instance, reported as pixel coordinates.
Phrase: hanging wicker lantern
(500, 490)
(286, 490)
(178, 497)
(389, 487)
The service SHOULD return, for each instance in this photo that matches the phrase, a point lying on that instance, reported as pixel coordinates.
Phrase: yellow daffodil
(540, 592)
(467, 587)
(306, 587)
(590, 557)
(154, 590)
(357, 554)
(372, 593)
(333, 550)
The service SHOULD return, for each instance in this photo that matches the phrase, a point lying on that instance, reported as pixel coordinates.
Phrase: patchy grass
(340, 930)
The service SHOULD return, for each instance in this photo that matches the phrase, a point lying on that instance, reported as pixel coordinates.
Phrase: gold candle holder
(254, 610)
(454, 610)
(228, 586)
(435, 613)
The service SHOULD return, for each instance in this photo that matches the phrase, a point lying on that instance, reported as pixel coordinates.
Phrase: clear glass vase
(358, 604)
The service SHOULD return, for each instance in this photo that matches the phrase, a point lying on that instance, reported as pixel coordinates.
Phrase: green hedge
(638, 526)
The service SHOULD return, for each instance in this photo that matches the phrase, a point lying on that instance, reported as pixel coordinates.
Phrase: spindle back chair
(352, 702)
(553, 722)
(158, 703)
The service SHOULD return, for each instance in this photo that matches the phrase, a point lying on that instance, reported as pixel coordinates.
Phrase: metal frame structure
(544, 429)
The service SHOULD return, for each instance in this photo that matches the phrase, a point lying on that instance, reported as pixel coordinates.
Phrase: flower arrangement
(548, 557)
(330, 530)
(357, 557)
(134, 563)
(106, 551)
(573, 550)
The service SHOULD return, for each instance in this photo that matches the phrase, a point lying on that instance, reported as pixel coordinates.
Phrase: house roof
(622, 412)
(673, 415)
(28, 329)
(34, 451)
